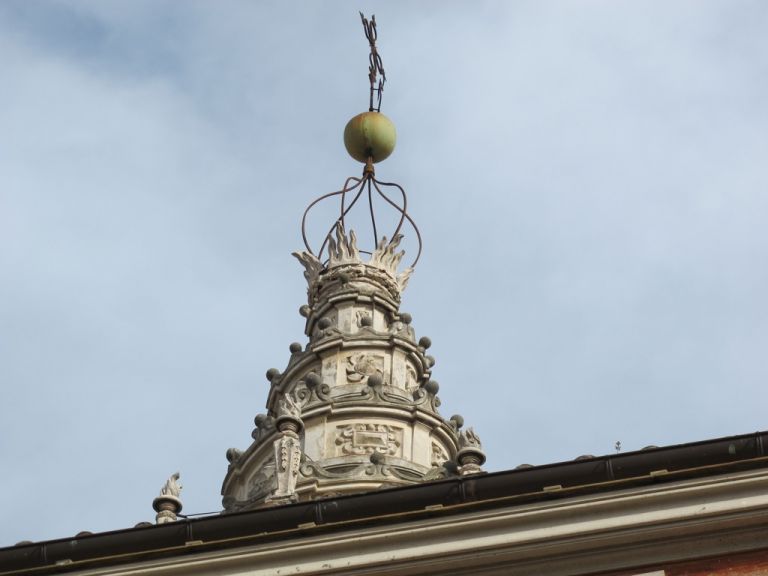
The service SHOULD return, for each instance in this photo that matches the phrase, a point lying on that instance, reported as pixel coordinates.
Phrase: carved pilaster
(287, 451)
(287, 463)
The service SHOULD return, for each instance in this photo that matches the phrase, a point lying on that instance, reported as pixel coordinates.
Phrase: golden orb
(370, 134)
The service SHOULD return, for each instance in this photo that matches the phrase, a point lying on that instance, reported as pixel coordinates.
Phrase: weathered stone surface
(356, 408)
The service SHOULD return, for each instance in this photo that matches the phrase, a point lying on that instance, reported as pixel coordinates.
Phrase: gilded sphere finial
(370, 135)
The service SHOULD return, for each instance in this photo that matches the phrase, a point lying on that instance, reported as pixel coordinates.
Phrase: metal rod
(343, 196)
(375, 65)
(323, 197)
(405, 203)
(373, 216)
(361, 186)
(410, 220)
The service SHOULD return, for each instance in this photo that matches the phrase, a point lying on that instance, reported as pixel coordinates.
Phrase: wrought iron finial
(375, 66)
(369, 138)
(355, 188)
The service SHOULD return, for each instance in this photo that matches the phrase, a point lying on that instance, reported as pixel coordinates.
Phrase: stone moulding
(238, 487)
(608, 532)
(292, 379)
(388, 468)
(322, 320)
(364, 338)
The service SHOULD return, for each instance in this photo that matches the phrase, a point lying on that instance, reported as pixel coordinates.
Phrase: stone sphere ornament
(375, 380)
(432, 387)
(272, 373)
(311, 379)
(370, 135)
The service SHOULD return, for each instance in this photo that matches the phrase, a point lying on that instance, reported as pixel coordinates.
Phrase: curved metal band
(358, 185)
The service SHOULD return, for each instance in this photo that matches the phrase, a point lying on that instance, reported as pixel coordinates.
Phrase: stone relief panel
(362, 439)
(363, 318)
(327, 325)
(263, 482)
(328, 372)
(360, 366)
(346, 314)
(411, 380)
(439, 455)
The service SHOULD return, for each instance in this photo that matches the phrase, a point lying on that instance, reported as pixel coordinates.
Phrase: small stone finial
(470, 456)
(289, 407)
(233, 454)
(172, 486)
(312, 380)
(295, 348)
(432, 387)
(469, 439)
(168, 504)
(264, 423)
(289, 415)
(377, 458)
(375, 380)
(366, 321)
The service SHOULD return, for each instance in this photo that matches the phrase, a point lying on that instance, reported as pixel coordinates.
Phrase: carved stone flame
(343, 251)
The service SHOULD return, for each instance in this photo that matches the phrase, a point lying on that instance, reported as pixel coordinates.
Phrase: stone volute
(356, 408)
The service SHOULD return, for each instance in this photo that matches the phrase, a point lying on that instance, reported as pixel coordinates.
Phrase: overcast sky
(590, 179)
